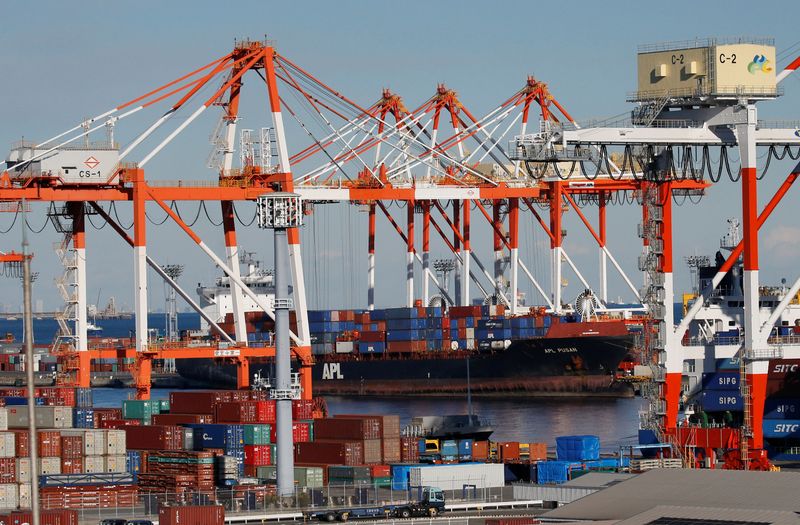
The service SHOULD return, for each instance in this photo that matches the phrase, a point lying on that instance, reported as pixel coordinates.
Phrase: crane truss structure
(440, 169)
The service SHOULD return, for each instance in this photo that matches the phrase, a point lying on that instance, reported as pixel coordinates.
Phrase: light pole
(27, 284)
(279, 212)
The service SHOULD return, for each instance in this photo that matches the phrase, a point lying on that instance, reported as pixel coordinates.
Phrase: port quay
(415, 308)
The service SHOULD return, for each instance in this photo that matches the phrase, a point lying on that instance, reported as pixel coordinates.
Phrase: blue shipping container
(401, 313)
(577, 448)
(778, 408)
(465, 448)
(721, 401)
(133, 462)
(721, 381)
(548, 472)
(781, 428)
(406, 335)
(449, 448)
(227, 437)
(371, 348)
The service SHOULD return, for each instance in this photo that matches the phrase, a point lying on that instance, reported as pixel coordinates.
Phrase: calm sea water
(532, 420)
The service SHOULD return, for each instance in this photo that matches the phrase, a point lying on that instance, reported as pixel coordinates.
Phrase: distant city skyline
(81, 63)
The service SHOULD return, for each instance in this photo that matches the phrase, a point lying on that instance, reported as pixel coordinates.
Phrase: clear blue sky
(64, 61)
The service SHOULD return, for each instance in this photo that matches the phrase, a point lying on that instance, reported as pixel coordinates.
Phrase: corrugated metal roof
(773, 517)
(598, 479)
(722, 489)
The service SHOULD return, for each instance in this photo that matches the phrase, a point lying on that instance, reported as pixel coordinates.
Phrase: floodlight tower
(171, 326)
(444, 267)
(279, 212)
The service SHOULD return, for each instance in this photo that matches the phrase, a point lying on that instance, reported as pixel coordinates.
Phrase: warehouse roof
(721, 489)
(672, 515)
(598, 479)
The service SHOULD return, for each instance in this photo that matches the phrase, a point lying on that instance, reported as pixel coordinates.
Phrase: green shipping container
(257, 434)
(311, 477)
(310, 427)
(139, 409)
(163, 406)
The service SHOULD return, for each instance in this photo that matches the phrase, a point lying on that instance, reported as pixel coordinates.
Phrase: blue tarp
(577, 448)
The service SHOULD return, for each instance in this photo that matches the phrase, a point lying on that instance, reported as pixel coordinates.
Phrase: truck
(431, 504)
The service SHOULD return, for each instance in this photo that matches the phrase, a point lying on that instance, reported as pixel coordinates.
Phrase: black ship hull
(567, 366)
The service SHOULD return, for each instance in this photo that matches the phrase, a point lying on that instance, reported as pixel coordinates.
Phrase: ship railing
(764, 354)
(784, 340)
(717, 340)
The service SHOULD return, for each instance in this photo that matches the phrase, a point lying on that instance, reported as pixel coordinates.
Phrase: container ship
(435, 350)
(711, 385)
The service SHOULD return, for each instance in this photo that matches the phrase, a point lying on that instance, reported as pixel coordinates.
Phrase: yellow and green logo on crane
(759, 63)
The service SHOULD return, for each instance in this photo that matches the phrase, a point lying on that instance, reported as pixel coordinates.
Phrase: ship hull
(569, 366)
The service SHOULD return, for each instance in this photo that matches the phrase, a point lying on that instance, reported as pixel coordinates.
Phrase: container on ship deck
(192, 515)
(781, 428)
(781, 408)
(721, 401)
(257, 434)
(721, 381)
(258, 455)
(49, 443)
(372, 337)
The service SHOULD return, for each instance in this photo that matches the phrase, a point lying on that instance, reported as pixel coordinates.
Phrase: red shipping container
(189, 402)
(46, 517)
(21, 441)
(376, 424)
(71, 446)
(380, 471)
(257, 455)
(49, 443)
(302, 409)
(154, 437)
(246, 412)
(181, 419)
(347, 428)
(72, 465)
(106, 414)
(8, 470)
(198, 515)
(301, 432)
(329, 453)
(409, 450)
(119, 423)
(373, 337)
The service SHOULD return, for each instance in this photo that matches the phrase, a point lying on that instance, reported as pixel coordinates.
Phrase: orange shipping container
(480, 450)
(508, 451)
(538, 451)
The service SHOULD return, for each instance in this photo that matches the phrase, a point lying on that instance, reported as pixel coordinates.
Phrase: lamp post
(279, 212)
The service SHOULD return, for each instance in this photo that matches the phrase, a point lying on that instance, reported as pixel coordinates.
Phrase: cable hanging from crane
(13, 222)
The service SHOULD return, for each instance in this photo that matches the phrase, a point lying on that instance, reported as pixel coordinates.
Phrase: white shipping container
(24, 495)
(115, 442)
(94, 441)
(23, 470)
(115, 464)
(344, 347)
(46, 417)
(454, 477)
(49, 466)
(3, 418)
(7, 445)
(9, 496)
(94, 464)
(470, 332)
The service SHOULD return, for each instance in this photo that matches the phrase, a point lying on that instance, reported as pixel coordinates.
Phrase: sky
(65, 61)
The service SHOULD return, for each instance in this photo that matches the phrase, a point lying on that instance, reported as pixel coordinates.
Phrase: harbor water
(615, 421)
